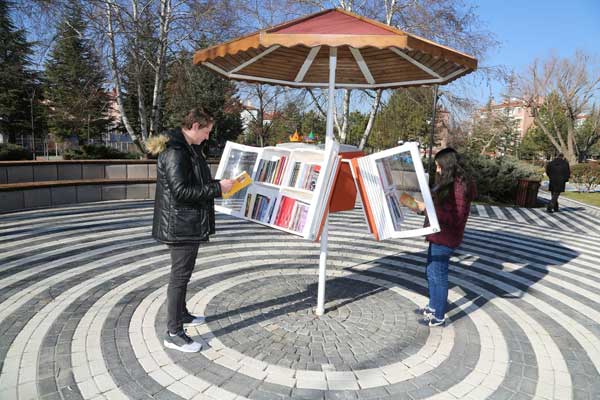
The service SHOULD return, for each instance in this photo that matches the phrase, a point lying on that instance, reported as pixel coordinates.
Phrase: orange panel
(343, 195)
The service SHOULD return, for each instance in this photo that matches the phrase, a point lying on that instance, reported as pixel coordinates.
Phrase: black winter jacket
(184, 202)
(559, 173)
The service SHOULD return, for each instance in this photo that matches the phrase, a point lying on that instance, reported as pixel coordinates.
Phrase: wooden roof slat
(424, 61)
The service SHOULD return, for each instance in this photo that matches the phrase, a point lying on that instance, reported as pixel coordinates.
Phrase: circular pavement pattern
(83, 293)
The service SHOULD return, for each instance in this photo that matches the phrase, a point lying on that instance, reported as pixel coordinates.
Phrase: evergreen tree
(356, 127)
(190, 86)
(403, 118)
(287, 122)
(536, 143)
(315, 122)
(16, 77)
(78, 102)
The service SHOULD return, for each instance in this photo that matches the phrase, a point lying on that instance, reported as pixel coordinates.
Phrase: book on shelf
(395, 211)
(292, 214)
(268, 198)
(260, 207)
(241, 181)
(304, 176)
(248, 201)
(271, 171)
(385, 173)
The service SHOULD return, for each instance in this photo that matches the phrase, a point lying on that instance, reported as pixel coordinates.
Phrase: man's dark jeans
(183, 260)
(553, 205)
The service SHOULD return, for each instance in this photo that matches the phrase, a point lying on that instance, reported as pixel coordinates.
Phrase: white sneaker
(182, 342)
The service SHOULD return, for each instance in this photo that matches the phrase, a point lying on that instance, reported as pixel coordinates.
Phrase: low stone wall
(37, 184)
(25, 196)
(43, 171)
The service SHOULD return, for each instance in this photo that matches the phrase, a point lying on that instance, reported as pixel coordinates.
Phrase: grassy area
(587, 198)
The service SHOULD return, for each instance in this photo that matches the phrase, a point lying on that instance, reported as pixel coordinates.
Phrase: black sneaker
(192, 320)
(182, 342)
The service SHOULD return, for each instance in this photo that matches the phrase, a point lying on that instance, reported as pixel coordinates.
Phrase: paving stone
(271, 318)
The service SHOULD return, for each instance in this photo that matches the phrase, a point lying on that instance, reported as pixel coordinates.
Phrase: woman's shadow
(502, 264)
(505, 264)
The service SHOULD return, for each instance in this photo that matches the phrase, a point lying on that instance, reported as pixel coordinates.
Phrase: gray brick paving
(268, 341)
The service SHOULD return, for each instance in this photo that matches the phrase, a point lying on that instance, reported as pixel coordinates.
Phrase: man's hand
(226, 185)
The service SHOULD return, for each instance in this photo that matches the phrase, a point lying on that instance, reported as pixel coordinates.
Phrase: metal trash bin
(527, 192)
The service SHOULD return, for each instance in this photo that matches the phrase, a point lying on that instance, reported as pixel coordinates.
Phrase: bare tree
(575, 81)
(588, 135)
(126, 34)
(448, 22)
(125, 30)
(267, 100)
(261, 14)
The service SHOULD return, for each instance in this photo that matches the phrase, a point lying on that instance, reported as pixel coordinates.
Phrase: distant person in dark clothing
(559, 173)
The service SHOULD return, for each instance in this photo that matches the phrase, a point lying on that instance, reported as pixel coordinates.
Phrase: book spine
(302, 218)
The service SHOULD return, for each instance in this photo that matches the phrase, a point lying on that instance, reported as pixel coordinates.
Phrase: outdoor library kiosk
(304, 53)
(295, 186)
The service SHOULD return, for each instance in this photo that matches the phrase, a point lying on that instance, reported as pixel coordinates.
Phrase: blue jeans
(438, 257)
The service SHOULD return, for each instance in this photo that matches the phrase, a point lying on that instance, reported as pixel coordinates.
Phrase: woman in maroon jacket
(452, 196)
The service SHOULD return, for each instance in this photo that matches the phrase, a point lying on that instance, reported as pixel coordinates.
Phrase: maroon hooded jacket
(453, 213)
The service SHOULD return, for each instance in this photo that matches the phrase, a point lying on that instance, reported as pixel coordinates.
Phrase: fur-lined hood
(173, 138)
(157, 144)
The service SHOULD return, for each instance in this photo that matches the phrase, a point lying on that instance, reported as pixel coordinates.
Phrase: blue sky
(529, 29)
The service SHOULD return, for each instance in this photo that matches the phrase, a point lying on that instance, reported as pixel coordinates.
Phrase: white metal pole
(328, 142)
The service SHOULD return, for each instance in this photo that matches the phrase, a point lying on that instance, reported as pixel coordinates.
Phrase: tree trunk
(389, 13)
(345, 115)
(142, 114)
(117, 80)
(372, 114)
(159, 75)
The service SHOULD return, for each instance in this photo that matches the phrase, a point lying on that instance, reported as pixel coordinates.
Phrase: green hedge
(497, 178)
(13, 152)
(586, 176)
(96, 152)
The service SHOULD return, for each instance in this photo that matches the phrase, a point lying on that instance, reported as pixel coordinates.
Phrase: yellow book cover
(240, 182)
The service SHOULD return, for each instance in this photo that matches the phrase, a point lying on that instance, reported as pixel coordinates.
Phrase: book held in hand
(240, 181)
(408, 201)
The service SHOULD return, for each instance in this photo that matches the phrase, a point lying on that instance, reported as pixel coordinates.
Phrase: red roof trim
(333, 22)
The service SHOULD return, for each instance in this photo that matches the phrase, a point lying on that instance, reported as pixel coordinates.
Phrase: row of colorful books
(271, 171)
(292, 214)
(257, 207)
(395, 211)
(305, 176)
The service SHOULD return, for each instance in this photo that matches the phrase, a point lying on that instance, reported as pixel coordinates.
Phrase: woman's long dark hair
(449, 161)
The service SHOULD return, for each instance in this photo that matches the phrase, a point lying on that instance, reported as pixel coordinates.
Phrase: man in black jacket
(184, 215)
(559, 173)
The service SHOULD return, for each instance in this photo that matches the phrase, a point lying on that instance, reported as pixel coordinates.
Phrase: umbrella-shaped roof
(369, 55)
